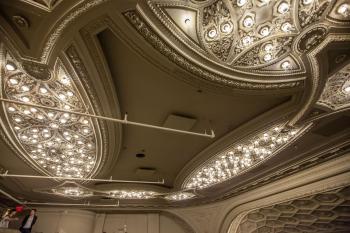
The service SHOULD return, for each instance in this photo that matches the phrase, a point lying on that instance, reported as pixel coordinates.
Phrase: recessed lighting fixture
(64, 80)
(241, 2)
(247, 40)
(43, 90)
(10, 66)
(286, 65)
(27, 112)
(226, 27)
(25, 99)
(264, 31)
(248, 22)
(346, 89)
(25, 88)
(17, 119)
(286, 27)
(11, 109)
(343, 9)
(307, 2)
(62, 97)
(283, 8)
(187, 21)
(267, 57)
(13, 81)
(212, 33)
(268, 47)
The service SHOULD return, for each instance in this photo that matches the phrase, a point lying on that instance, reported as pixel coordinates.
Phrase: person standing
(8, 216)
(28, 222)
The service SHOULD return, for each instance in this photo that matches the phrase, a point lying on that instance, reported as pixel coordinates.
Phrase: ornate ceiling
(323, 212)
(263, 67)
(53, 142)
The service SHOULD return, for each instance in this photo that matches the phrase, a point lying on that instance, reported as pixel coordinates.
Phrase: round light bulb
(248, 22)
(10, 66)
(343, 9)
(43, 90)
(286, 65)
(307, 2)
(286, 27)
(64, 80)
(241, 2)
(212, 33)
(11, 109)
(267, 57)
(25, 88)
(25, 99)
(265, 31)
(247, 40)
(226, 28)
(13, 81)
(268, 47)
(283, 8)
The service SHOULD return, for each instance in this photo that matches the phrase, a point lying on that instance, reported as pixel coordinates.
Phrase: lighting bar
(87, 204)
(81, 179)
(124, 121)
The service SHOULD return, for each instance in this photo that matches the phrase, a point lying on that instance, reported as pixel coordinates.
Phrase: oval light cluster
(55, 143)
(243, 155)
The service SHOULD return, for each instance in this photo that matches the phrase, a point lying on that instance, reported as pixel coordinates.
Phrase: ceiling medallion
(146, 31)
(336, 93)
(233, 33)
(243, 155)
(55, 143)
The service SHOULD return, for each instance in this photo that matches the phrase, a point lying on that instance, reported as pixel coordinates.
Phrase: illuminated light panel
(132, 194)
(68, 189)
(180, 196)
(39, 133)
(243, 155)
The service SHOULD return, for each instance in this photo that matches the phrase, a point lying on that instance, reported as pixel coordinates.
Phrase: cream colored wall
(168, 225)
(64, 221)
(52, 220)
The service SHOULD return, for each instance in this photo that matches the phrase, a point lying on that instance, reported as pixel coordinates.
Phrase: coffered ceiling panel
(325, 212)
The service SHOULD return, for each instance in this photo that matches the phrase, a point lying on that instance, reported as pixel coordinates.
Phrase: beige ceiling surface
(135, 58)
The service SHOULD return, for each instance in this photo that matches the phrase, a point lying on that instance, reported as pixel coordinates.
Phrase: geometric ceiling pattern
(243, 34)
(55, 143)
(336, 93)
(326, 212)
